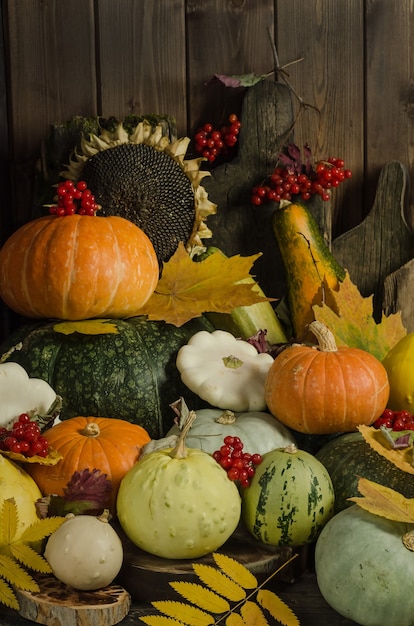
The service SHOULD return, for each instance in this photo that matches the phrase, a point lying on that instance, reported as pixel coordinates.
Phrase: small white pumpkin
(85, 552)
(260, 432)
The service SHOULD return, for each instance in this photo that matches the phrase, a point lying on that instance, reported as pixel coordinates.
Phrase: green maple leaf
(16, 555)
(352, 321)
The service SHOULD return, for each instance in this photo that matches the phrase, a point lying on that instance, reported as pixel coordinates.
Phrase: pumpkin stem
(325, 338)
(91, 430)
(227, 417)
(105, 516)
(291, 448)
(180, 450)
(233, 362)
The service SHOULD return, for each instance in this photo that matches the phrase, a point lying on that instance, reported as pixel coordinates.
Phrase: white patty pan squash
(260, 432)
(17, 484)
(226, 372)
(21, 394)
(364, 571)
(178, 504)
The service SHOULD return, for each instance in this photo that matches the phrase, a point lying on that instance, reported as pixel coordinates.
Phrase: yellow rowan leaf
(8, 521)
(235, 570)
(7, 596)
(402, 458)
(41, 529)
(160, 620)
(253, 615)
(277, 608)
(384, 502)
(350, 318)
(13, 573)
(53, 457)
(235, 619)
(28, 556)
(219, 582)
(87, 327)
(187, 288)
(201, 596)
(14, 553)
(190, 615)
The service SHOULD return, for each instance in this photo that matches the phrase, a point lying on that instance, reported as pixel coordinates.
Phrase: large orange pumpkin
(77, 267)
(104, 443)
(325, 389)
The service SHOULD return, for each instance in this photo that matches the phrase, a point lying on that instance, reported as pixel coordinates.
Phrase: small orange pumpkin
(326, 389)
(104, 443)
(77, 267)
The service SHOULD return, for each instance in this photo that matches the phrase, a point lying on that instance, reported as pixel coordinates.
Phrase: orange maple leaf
(350, 317)
(187, 288)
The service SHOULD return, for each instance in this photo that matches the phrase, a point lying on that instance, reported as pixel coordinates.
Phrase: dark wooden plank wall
(116, 57)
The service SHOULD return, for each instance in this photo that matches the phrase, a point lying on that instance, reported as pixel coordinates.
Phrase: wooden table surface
(302, 596)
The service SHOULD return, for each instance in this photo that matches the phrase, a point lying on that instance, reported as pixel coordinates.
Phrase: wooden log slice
(60, 605)
(147, 577)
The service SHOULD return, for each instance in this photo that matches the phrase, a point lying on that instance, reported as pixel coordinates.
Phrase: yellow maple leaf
(187, 288)
(384, 502)
(86, 327)
(401, 457)
(352, 321)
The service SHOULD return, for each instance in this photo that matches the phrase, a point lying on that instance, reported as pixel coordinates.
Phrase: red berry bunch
(240, 466)
(211, 142)
(395, 420)
(24, 437)
(291, 178)
(73, 199)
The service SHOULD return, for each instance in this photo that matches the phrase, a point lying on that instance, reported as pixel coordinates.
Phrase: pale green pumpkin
(178, 504)
(364, 570)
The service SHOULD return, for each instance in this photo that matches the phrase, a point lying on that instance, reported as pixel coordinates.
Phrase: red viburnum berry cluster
(211, 142)
(24, 437)
(291, 177)
(73, 199)
(395, 420)
(240, 466)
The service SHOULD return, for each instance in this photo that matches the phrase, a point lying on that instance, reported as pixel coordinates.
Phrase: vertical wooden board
(51, 77)
(142, 58)
(224, 37)
(390, 90)
(328, 35)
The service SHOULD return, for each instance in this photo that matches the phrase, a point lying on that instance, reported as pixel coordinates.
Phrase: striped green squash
(289, 500)
(128, 374)
(349, 457)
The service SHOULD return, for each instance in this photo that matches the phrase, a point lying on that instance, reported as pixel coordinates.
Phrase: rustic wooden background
(352, 59)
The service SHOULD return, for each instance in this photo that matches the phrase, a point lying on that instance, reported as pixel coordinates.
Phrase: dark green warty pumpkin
(129, 374)
(348, 457)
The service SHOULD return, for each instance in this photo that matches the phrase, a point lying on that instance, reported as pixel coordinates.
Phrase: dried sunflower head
(145, 178)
